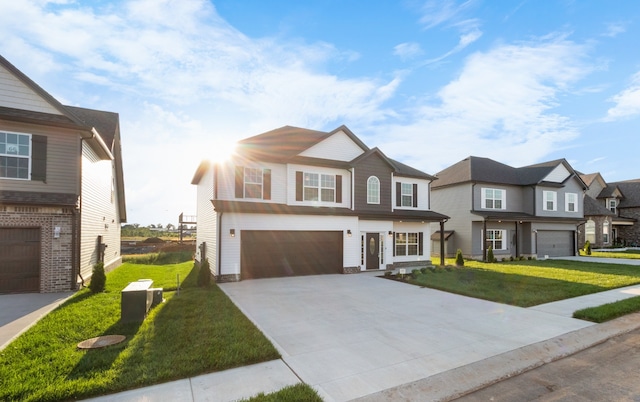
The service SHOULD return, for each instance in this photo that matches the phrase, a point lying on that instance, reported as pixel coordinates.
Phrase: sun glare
(220, 152)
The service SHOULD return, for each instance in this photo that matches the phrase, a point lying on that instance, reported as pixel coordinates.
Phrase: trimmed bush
(98, 278)
(490, 257)
(423, 270)
(459, 258)
(204, 274)
(587, 247)
(415, 273)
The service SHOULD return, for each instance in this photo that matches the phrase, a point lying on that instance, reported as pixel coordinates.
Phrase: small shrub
(432, 269)
(387, 274)
(98, 278)
(415, 273)
(204, 274)
(423, 270)
(459, 258)
(504, 259)
(490, 257)
(521, 258)
(511, 258)
(587, 247)
(439, 270)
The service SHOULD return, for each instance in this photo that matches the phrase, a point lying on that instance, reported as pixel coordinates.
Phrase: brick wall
(56, 254)
(630, 234)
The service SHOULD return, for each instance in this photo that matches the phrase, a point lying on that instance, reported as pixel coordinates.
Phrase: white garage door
(555, 243)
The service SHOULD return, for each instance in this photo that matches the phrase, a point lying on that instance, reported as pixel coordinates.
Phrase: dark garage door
(266, 254)
(555, 243)
(19, 260)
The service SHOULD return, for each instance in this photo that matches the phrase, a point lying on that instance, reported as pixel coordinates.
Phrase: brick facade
(630, 235)
(599, 242)
(56, 253)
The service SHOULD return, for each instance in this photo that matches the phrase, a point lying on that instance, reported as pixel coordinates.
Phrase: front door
(372, 246)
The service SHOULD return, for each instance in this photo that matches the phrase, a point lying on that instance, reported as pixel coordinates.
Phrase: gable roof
(630, 190)
(595, 208)
(100, 129)
(284, 145)
(479, 169)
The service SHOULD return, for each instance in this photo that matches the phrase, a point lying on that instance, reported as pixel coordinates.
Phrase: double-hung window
(252, 183)
(495, 239)
(571, 202)
(319, 187)
(493, 198)
(407, 194)
(613, 205)
(407, 243)
(549, 199)
(15, 155)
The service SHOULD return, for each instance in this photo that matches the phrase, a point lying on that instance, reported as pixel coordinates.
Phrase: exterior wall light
(232, 232)
(390, 233)
(349, 232)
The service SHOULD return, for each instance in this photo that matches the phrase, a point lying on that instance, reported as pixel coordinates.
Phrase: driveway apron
(350, 336)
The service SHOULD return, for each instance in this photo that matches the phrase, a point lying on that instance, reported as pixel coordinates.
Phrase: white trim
(554, 200)
(377, 195)
(575, 202)
(502, 199)
(28, 157)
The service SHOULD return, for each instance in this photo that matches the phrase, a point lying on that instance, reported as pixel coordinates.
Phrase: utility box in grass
(136, 300)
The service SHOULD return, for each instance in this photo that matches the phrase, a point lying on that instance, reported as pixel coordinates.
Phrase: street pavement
(605, 372)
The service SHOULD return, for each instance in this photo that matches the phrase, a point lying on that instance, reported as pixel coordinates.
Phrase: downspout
(77, 227)
(353, 189)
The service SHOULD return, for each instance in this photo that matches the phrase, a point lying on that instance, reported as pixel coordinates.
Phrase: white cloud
(614, 29)
(627, 102)
(500, 106)
(438, 12)
(407, 50)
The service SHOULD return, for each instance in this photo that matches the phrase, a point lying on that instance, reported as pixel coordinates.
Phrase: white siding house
(294, 201)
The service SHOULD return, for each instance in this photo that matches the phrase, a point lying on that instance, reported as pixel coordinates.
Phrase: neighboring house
(528, 211)
(61, 188)
(618, 211)
(294, 201)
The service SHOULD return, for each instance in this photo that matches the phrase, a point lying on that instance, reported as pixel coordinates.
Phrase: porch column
(517, 251)
(484, 240)
(441, 242)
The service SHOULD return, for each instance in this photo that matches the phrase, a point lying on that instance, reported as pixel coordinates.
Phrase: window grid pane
(373, 190)
(319, 187)
(15, 152)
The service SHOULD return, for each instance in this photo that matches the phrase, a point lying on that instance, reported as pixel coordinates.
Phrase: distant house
(294, 201)
(61, 188)
(613, 218)
(528, 211)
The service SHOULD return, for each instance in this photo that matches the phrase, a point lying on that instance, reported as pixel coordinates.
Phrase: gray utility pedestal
(136, 300)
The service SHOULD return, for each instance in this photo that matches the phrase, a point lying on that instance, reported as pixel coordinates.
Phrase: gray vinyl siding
(455, 202)
(372, 166)
(98, 212)
(63, 149)
(572, 186)
(207, 226)
(16, 95)
(513, 197)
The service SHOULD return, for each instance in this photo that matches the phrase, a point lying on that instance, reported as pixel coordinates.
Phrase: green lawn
(609, 311)
(631, 254)
(194, 332)
(529, 283)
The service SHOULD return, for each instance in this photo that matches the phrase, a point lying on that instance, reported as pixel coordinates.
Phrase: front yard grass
(528, 283)
(630, 254)
(609, 311)
(196, 331)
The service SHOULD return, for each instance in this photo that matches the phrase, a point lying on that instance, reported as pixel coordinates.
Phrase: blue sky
(428, 82)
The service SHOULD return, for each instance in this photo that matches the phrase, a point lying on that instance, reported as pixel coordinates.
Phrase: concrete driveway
(351, 336)
(18, 312)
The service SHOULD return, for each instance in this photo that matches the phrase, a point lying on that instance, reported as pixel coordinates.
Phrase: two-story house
(612, 219)
(294, 201)
(528, 211)
(61, 188)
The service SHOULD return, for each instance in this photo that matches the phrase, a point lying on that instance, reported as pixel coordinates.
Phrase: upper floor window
(549, 200)
(613, 205)
(319, 187)
(15, 155)
(373, 190)
(493, 198)
(571, 202)
(253, 183)
(407, 195)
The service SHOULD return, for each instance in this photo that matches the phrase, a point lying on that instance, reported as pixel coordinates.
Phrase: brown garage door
(19, 260)
(266, 254)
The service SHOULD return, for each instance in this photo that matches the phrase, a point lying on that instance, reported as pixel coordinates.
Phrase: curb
(472, 377)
